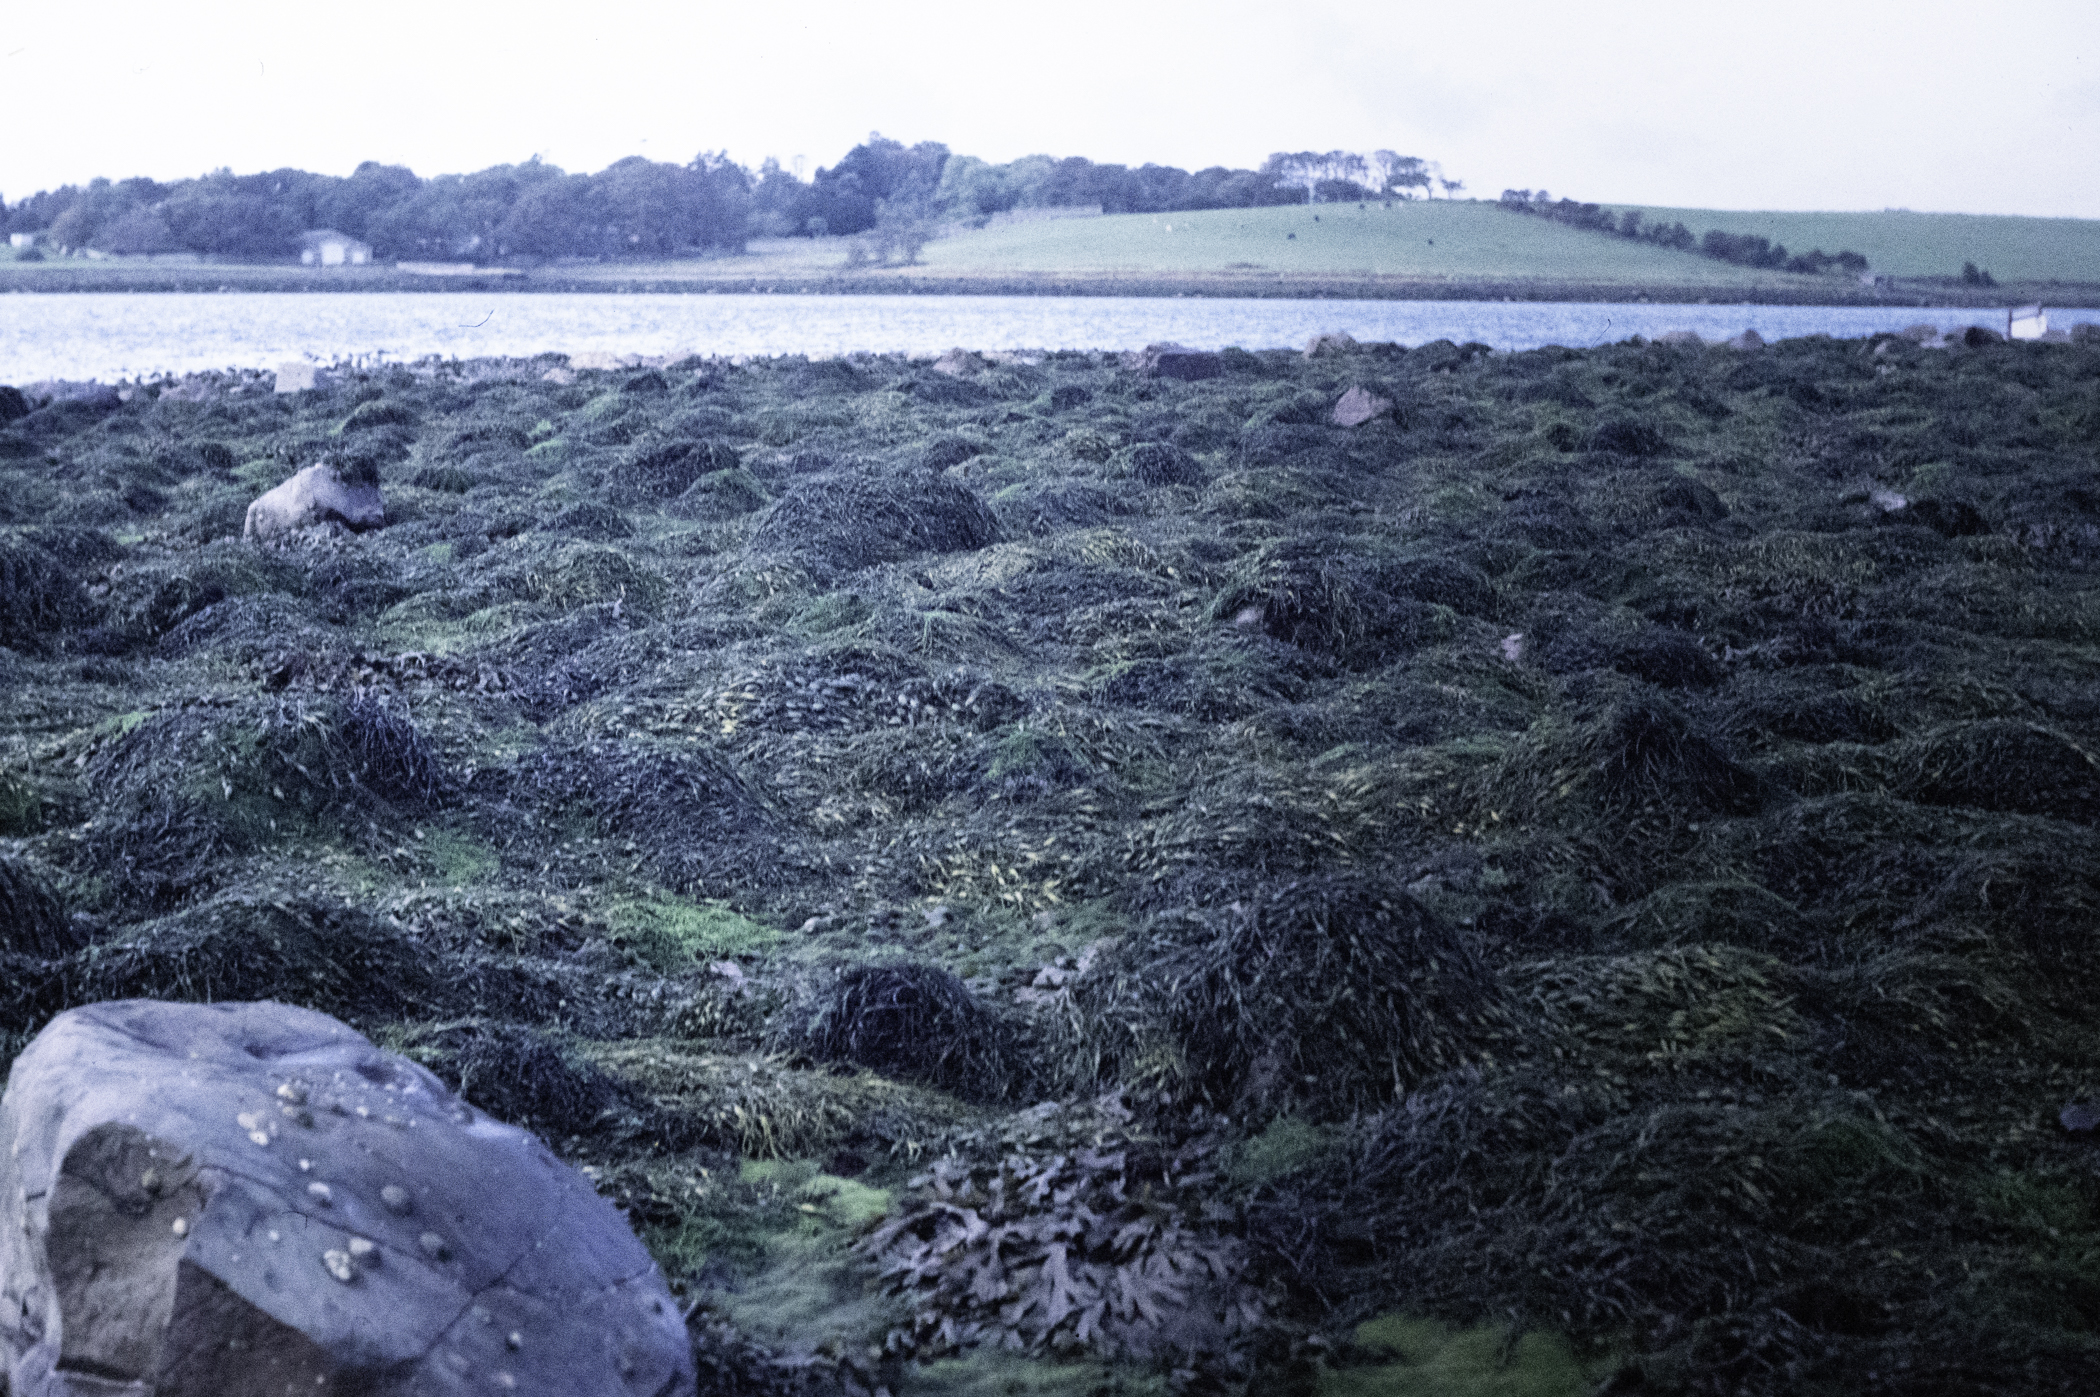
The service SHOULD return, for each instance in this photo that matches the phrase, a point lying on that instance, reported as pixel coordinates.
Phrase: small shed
(324, 247)
(2026, 323)
(23, 239)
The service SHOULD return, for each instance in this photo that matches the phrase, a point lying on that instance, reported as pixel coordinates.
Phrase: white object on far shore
(455, 269)
(2026, 323)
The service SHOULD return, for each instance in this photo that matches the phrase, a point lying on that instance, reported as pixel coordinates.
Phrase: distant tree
(971, 188)
(1298, 169)
(225, 215)
(1972, 275)
(846, 194)
(351, 205)
(1399, 175)
(1450, 186)
(88, 212)
(554, 218)
(778, 202)
(141, 230)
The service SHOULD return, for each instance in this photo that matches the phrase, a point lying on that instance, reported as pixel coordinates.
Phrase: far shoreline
(706, 279)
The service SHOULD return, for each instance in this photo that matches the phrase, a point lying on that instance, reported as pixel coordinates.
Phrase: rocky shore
(1286, 872)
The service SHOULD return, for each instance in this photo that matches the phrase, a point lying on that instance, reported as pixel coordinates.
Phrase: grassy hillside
(1904, 244)
(1461, 241)
(1594, 866)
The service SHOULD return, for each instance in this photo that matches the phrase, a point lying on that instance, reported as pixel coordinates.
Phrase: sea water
(112, 336)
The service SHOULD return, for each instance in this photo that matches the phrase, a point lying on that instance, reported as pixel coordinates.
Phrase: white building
(23, 239)
(324, 247)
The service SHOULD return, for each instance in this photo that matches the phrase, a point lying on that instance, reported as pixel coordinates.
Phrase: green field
(1903, 244)
(1455, 241)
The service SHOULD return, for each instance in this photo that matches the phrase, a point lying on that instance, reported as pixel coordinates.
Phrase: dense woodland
(644, 209)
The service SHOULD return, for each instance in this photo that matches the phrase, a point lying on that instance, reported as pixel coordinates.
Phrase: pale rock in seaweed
(297, 377)
(150, 1247)
(316, 495)
(959, 363)
(1329, 342)
(1358, 406)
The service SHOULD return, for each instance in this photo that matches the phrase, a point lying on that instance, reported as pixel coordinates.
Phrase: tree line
(637, 208)
(1742, 249)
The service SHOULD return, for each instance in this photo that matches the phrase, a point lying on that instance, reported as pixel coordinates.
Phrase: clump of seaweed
(38, 595)
(1327, 599)
(34, 919)
(1325, 995)
(326, 956)
(840, 524)
(520, 1074)
(918, 1022)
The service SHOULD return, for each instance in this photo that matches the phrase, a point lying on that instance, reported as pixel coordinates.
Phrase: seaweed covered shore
(1024, 876)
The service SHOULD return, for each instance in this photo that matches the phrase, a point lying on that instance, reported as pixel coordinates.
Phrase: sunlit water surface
(115, 336)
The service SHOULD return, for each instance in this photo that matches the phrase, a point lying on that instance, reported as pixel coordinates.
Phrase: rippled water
(116, 336)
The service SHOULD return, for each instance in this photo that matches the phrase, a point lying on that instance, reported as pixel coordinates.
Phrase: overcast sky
(1843, 104)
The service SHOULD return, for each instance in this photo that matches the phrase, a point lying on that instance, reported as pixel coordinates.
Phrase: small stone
(514, 1341)
(247, 1120)
(260, 1137)
(321, 1193)
(338, 1264)
(434, 1245)
(150, 1182)
(364, 1250)
(1358, 406)
(396, 1199)
(182, 1227)
(293, 1093)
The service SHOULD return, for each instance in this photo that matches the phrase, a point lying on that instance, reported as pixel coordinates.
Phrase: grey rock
(1749, 339)
(959, 363)
(161, 1232)
(1329, 342)
(298, 377)
(316, 495)
(1176, 362)
(1358, 406)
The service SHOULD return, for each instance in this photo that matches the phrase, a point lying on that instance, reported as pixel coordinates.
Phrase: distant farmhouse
(324, 247)
(23, 239)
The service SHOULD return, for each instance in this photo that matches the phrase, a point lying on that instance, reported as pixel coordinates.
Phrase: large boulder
(317, 495)
(1174, 361)
(228, 1200)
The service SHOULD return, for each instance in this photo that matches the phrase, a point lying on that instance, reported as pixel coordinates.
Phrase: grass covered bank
(1423, 250)
(1588, 874)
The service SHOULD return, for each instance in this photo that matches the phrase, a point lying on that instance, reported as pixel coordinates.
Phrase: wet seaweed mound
(843, 523)
(918, 1022)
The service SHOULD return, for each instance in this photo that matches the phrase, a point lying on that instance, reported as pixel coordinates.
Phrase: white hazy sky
(1842, 104)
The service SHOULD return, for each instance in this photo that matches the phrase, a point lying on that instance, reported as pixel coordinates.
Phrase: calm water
(121, 336)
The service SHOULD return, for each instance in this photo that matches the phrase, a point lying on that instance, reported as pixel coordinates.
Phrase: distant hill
(1899, 243)
(1416, 239)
